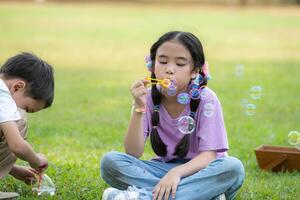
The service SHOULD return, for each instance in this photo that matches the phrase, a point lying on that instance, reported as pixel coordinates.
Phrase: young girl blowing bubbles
(186, 128)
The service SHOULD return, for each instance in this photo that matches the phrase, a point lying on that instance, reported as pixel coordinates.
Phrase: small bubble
(183, 98)
(193, 86)
(203, 93)
(256, 92)
(250, 109)
(172, 90)
(44, 185)
(195, 93)
(294, 138)
(186, 124)
(208, 109)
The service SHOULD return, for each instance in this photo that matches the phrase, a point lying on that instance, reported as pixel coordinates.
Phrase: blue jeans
(223, 175)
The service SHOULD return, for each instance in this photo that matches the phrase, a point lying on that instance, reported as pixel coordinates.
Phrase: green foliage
(98, 50)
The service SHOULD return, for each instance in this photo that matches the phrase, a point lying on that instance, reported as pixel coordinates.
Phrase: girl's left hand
(168, 184)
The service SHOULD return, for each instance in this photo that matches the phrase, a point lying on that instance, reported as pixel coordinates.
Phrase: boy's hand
(139, 91)
(26, 174)
(43, 164)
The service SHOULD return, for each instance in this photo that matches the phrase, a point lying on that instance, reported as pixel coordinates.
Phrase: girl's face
(174, 61)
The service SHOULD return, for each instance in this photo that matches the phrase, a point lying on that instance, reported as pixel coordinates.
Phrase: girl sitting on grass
(186, 131)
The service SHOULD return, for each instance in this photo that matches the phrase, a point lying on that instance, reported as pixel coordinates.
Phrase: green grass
(98, 51)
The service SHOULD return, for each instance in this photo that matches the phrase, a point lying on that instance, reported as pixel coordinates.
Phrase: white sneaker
(115, 194)
(8, 195)
(222, 197)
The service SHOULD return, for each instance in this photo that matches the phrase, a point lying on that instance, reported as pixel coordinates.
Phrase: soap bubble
(193, 86)
(195, 93)
(250, 109)
(183, 98)
(198, 80)
(186, 124)
(256, 92)
(208, 109)
(172, 90)
(44, 185)
(203, 93)
(294, 137)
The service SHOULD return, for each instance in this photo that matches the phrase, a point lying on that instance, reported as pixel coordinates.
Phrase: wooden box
(278, 159)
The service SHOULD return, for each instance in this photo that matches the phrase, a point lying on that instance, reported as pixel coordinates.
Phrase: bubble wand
(164, 82)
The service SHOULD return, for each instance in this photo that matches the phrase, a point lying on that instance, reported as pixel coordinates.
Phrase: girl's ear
(18, 85)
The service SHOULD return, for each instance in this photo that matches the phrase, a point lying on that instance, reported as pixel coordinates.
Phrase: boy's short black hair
(36, 72)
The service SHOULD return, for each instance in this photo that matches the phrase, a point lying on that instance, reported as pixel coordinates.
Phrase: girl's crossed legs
(223, 175)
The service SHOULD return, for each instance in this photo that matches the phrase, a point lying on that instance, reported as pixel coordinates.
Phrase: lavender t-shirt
(210, 132)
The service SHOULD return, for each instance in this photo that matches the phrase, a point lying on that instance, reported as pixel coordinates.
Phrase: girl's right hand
(139, 91)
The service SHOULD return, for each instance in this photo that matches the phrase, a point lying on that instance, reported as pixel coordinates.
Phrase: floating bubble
(239, 70)
(208, 106)
(172, 90)
(186, 124)
(294, 138)
(44, 185)
(250, 109)
(203, 93)
(198, 80)
(208, 109)
(173, 82)
(149, 65)
(256, 92)
(193, 86)
(195, 93)
(183, 98)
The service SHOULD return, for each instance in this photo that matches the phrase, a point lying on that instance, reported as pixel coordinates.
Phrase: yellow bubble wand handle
(164, 82)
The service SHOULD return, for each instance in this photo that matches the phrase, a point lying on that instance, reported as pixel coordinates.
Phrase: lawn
(98, 50)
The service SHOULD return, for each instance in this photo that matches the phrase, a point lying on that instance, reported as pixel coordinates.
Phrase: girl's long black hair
(192, 43)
